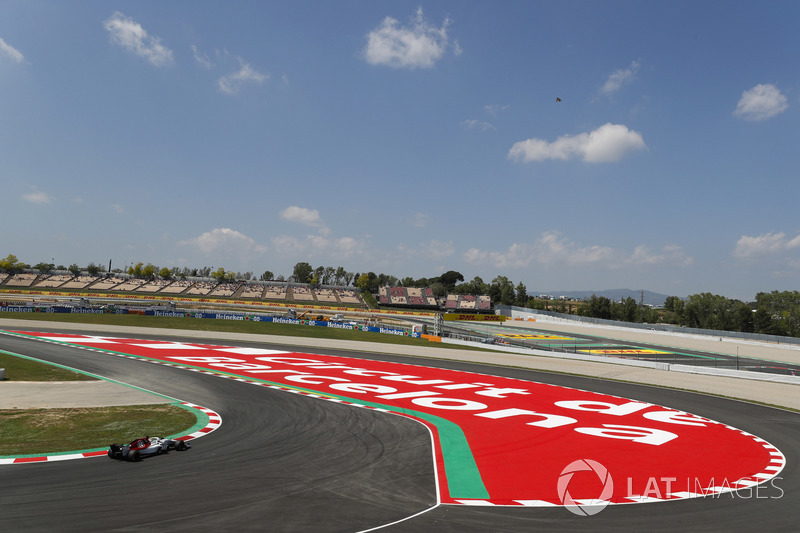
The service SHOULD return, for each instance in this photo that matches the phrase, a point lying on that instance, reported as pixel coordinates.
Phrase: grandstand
(21, 280)
(281, 291)
(153, 286)
(79, 282)
(252, 291)
(57, 280)
(225, 290)
(423, 298)
(128, 285)
(106, 284)
(302, 294)
(349, 296)
(201, 288)
(326, 295)
(275, 292)
(177, 287)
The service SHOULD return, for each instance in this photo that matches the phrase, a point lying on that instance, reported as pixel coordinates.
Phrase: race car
(146, 447)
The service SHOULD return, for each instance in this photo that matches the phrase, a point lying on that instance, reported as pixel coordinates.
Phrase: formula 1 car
(146, 447)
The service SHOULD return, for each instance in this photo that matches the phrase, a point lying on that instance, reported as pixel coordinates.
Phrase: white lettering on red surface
(432, 399)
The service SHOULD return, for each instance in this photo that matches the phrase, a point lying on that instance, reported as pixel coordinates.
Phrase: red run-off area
(502, 441)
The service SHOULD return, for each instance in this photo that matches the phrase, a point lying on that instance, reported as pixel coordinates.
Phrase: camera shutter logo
(586, 507)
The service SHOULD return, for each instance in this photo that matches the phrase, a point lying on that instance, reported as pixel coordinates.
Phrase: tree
(450, 278)
(328, 276)
(522, 295)
(219, 275)
(502, 290)
(44, 267)
(385, 280)
(165, 273)
(10, 263)
(149, 271)
(339, 277)
(362, 282)
(439, 290)
(74, 269)
(599, 307)
(267, 276)
(136, 270)
(93, 269)
(302, 272)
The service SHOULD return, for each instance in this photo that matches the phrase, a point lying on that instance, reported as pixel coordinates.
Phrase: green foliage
(10, 264)
(44, 267)
(149, 270)
(93, 269)
(522, 295)
(302, 272)
(450, 278)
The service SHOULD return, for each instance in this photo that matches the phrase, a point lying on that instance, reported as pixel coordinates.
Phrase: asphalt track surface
(285, 462)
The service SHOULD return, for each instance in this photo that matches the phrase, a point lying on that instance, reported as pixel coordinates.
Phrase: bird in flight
(558, 99)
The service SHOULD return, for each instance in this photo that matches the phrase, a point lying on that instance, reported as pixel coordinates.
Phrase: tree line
(772, 313)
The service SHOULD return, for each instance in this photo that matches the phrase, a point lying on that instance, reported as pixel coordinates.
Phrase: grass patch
(40, 431)
(22, 369)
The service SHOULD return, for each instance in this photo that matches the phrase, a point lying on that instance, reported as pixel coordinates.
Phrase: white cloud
(308, 217)
(419, 220)
(202, 59)
(231, 83)
(38, 197)
(608, 143)
(766, 244)
(495, 109)
(670, 254)
(552, 250)
(118, 208)
(11, 52)
(438, 250)
(320, 245)
(129, 34)
(760, 103)
(619, 78)
(418, 45)
(224, 242)
(477, 124)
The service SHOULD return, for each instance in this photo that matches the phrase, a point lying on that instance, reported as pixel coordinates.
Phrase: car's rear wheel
(134, 456)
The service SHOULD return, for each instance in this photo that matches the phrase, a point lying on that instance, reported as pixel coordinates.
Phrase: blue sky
(409, 139)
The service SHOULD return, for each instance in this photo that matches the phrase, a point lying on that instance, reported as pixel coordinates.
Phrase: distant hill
(650, 298)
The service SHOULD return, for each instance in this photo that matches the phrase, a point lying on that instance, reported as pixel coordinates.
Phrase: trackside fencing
(550, 316)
